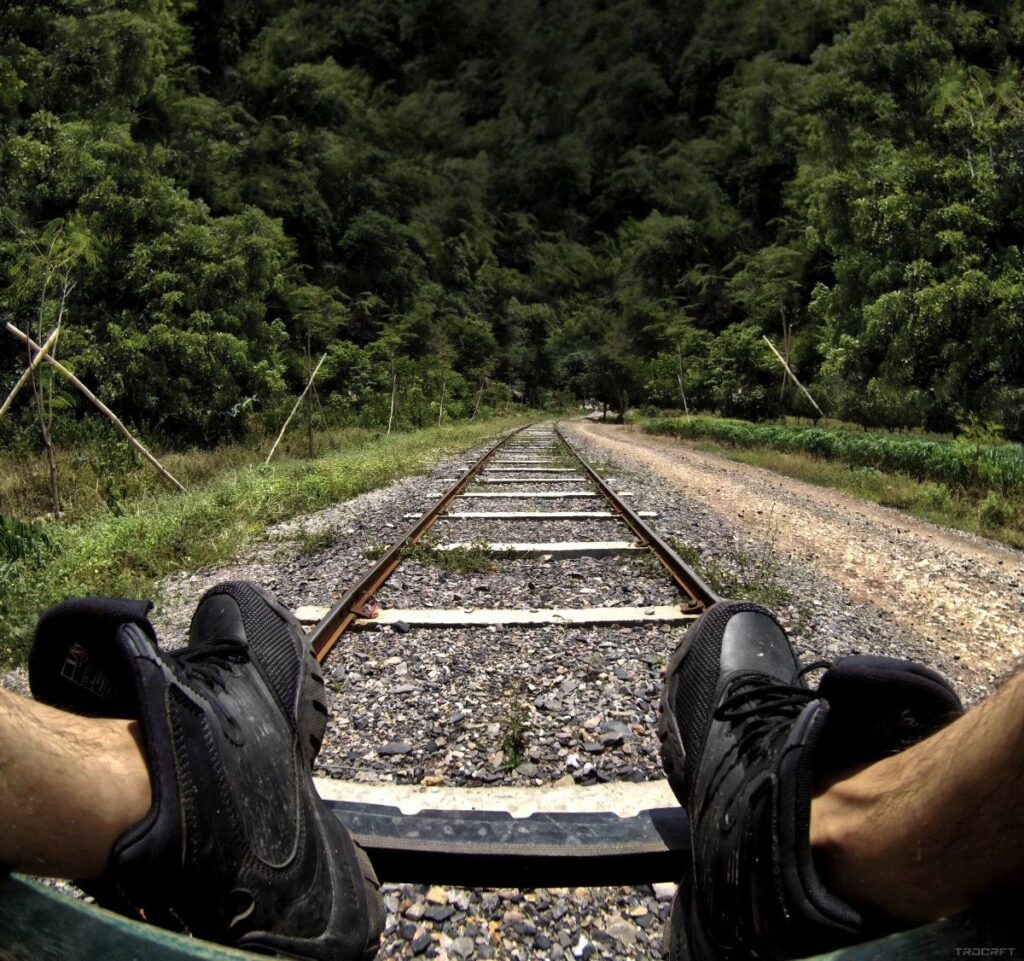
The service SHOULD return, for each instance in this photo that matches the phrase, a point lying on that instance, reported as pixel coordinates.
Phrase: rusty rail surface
(340, 617)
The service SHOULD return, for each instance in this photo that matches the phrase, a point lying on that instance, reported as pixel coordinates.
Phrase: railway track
(529, 478)
(525, 458)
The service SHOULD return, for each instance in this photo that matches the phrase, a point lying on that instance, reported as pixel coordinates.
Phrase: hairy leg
(925, 833)
(69, 787)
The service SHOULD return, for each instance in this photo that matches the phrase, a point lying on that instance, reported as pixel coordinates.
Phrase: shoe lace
(210, 663)
(206, 668)
(764, 711)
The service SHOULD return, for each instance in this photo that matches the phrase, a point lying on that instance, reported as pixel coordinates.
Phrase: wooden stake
(440, 409)
(679, 377)
(284, 427)
(33, 364)
(394, 387)
(793, 376)
(309, 402)
(100, 406)
(479, 395)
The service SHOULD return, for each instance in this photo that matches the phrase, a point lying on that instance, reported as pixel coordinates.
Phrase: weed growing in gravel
(513, 741)
(645, 564)
(311, 542)
(473, 559)
(739, 576)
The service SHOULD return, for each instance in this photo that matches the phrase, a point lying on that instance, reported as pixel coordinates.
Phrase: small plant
(994, 511)
(513, 741)
(20, 540)
(311, 542)
(645, 563)
(935, 496)
(740, 576)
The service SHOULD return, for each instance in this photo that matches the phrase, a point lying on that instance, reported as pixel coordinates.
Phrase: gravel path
(864, 578)
(437, 707)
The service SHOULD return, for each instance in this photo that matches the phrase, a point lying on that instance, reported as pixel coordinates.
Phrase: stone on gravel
(620, 929)
(394, 748)
(437, 895)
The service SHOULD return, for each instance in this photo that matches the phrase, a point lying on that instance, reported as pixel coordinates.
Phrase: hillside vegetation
(611, 199)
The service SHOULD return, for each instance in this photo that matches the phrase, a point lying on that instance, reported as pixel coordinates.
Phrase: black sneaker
(237, 846)
(245, 612)
(743, 740)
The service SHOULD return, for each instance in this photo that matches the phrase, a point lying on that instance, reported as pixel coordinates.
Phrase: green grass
(471, 559)
(740, 576)
(970, 466)
(989, 512)
(156, 534)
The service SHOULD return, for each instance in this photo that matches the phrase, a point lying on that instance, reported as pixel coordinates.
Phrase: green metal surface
(39, 923)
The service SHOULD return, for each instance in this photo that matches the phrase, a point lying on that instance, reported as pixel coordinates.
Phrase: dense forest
(548, 199)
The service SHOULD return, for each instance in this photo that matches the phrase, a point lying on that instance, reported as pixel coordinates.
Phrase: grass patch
(313, 543)
(992, 513)
(738, 575)
(472, 559)
(153, 535)
(976, 465)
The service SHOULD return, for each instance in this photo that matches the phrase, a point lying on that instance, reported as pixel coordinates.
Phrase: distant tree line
(604, 199)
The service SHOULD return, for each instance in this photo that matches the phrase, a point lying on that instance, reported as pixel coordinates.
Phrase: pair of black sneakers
(239, 848)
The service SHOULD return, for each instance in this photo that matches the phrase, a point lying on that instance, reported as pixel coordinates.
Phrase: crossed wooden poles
(42, 354)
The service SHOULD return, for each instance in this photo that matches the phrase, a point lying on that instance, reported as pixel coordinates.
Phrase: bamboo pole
(101, 407)
(394, 388)
(284, 427)
(793, 376)
(33, 364)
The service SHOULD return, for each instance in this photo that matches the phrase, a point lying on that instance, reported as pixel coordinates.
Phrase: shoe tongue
(879, 706)
(79, 661)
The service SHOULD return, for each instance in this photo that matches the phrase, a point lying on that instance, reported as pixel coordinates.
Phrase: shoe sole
(673, 755)
(309, 713)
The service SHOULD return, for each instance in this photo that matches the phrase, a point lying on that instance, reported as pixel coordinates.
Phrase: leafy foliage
(610, 201)
(964, 465)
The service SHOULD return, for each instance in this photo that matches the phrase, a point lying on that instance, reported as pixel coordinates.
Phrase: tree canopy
(610, 199)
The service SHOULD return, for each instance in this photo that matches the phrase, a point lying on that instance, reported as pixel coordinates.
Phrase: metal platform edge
(495, 849)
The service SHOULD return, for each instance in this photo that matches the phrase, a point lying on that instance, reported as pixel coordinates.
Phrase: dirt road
(963, 594)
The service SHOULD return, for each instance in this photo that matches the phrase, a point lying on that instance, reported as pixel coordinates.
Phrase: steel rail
(340, 617)
(686, 578)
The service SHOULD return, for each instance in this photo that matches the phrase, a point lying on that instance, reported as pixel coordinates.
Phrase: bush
(993, 511)
(966, 466)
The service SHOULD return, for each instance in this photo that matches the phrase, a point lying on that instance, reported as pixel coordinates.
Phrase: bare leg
(69, 787)
(925, 833)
